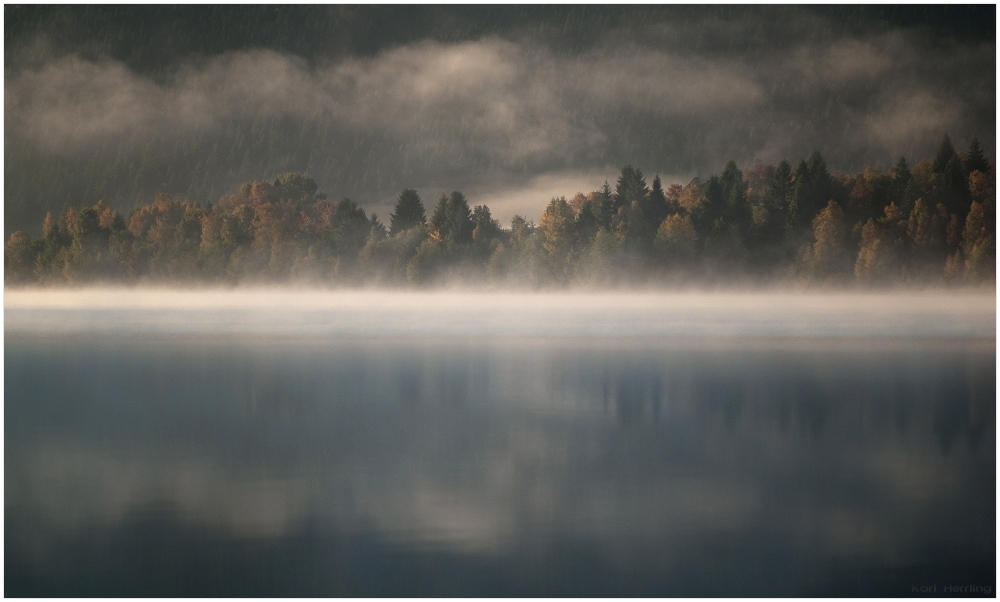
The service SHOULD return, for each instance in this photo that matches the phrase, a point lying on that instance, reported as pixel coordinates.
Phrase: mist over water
(364, 443)
(477, 314)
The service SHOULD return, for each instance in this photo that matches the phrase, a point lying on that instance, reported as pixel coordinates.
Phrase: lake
(290, 443)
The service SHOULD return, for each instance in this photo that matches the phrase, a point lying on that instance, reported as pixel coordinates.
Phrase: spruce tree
(812, 190)
(902, 172)
(735, 189)
(657, 205)
(439, 219)
(460, 217)
(408, 213)
(945, 154)
(605, 206)
(780, 188)
(453, 219)
(898, 189)
(974, 159)
(631, 187)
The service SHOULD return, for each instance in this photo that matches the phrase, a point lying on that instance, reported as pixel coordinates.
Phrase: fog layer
(672, 93)
(470, 314)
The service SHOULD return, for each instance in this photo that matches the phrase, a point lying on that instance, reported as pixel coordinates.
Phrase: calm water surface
(152, 463)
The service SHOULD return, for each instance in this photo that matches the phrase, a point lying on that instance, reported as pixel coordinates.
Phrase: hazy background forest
(220, 144)
(932, 224)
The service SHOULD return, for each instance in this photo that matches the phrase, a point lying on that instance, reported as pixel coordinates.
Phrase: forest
(932, 223)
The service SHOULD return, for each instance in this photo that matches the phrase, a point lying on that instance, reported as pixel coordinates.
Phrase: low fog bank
(469, 313)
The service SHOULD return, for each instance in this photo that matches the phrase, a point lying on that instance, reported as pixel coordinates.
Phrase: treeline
(930, 224)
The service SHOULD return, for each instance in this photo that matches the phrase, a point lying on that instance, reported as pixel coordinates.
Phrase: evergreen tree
(946, 152)
(631, 187)
(439, 219)
(779, 189)
(707, 215)
(812, 190)
(297, 187)
(635, 216)
(588, 221)
(900, 190)
(656, 207)
(350, 228)
(955, 186)
(798, 204)
(452, 219)
(975, 160)
(604, 210)
(737, 213)
(408, 213)
(901, 173)
(376, 229)
(461, 218)
(485, 229)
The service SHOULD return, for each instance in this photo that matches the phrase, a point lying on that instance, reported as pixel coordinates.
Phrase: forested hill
(929, 224)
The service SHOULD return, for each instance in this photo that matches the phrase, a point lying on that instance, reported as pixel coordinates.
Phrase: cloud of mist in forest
(527, 197)
(494, 112)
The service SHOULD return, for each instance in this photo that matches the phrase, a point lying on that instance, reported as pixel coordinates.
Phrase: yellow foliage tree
(676, 237)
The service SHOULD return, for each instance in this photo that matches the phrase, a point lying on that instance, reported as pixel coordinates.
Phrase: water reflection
(174, 467)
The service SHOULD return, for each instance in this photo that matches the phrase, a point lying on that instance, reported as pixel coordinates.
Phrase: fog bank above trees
(122, 102)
